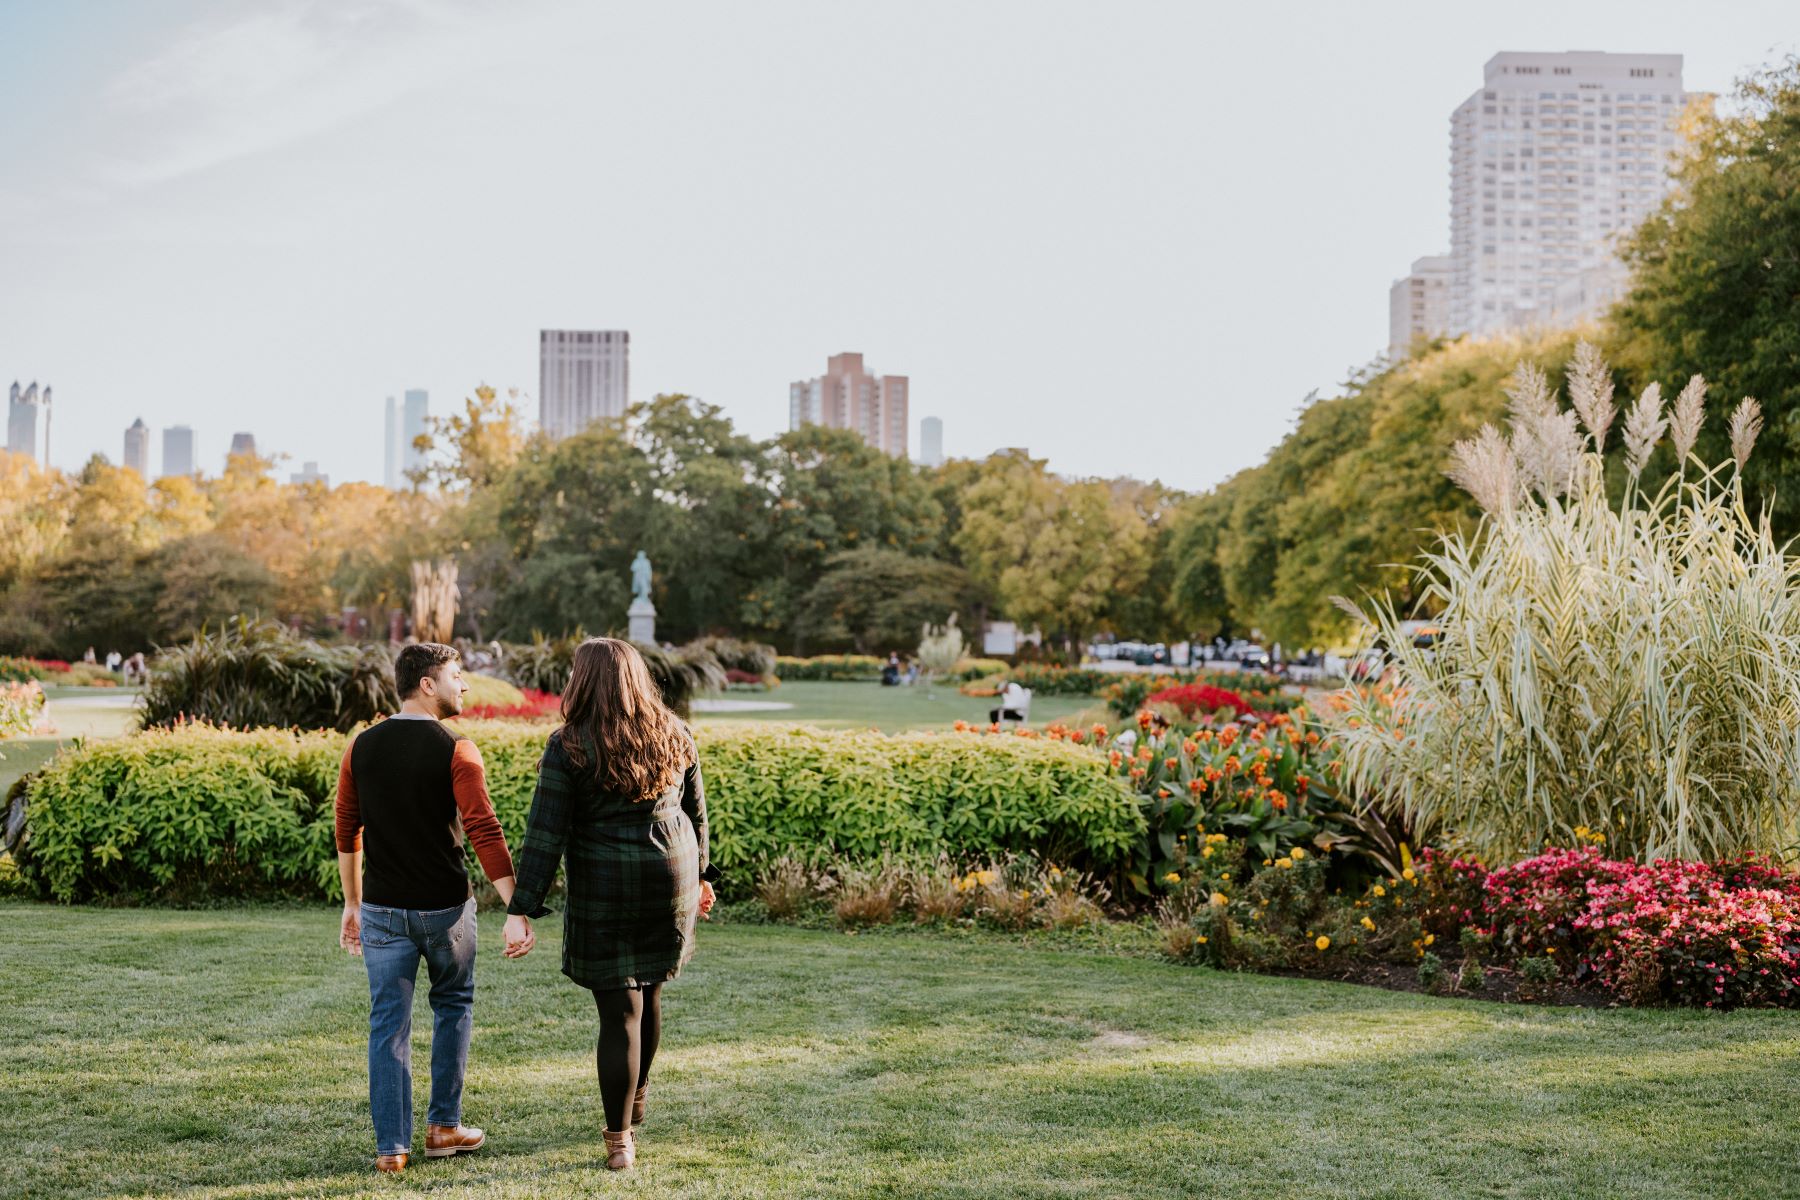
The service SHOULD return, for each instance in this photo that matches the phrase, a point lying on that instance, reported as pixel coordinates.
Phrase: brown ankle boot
(621, 1150)
(391, 1164)
(637, 1104)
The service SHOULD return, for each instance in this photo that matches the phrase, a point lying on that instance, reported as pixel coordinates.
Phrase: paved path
(733, 706)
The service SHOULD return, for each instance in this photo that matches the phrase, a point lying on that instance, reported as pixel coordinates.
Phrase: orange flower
(1137, 772)
(1194, 786)
(1098, 731)
(1278, 802)
(1116, 758)
(1170, 764)
(1190, 747)
(1144, 719)
(1232, 763)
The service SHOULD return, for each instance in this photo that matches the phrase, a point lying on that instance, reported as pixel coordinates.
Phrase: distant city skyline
(259, 215)
(180, 454)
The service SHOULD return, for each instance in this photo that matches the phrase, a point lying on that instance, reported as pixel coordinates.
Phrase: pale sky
(1129, 236)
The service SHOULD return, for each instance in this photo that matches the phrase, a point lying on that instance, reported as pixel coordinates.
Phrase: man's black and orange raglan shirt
(409, 792)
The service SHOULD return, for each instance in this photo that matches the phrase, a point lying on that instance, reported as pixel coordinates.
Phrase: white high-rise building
(847, 396)
(1419, 304)
(405, 423)
(583, 375)
(137, 447)
(1552, 160)
(931, 442)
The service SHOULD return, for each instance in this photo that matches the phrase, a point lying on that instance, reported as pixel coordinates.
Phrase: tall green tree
(871, 600)
(1716, 278)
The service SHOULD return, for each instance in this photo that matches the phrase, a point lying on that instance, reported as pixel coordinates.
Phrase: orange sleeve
(349, 811)
(468, 781)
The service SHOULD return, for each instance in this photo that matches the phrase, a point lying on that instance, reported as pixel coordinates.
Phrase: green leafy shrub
(842, 668)
(545, 664)
(485, 691)
(253, 674)
(195, 810)
(751, 658)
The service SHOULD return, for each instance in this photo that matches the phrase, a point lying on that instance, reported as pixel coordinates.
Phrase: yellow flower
(1284, 863)
(1206, 852)
(1368, 925)
(1219, 900)
(1322, 942)
(984, 878)
(1409, 875)
(1201, 938)
(1380, 891)
(1171, 877)
(1297, 853)
(1430, 938)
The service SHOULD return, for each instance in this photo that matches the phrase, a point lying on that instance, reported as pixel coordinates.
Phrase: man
(1013, 703)
(410, 790)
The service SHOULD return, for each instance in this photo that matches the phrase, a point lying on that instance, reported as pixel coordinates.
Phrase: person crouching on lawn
(619, 793)
(409, 791)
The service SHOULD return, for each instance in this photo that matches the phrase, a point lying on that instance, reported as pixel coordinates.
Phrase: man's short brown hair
(419, 660)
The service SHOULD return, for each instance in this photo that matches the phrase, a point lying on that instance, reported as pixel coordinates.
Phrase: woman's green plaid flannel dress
(634, 871)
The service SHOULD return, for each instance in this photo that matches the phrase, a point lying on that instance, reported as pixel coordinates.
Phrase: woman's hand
(350, 931)
(519, 938)
(707, 900)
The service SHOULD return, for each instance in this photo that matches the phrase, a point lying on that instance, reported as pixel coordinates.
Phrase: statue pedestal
(640, 621)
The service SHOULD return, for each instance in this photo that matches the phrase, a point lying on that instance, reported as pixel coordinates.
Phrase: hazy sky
(1130, 236)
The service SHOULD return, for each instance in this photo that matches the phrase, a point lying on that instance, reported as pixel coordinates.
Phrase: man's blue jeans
(393, 941)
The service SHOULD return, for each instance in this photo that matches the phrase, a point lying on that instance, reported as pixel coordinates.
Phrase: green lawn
(220, 1054)
(889, 709)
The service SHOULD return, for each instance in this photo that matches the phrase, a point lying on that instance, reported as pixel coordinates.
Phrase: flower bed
(533, 705)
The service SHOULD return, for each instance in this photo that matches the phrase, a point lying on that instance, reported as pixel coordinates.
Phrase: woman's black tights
(630, 1027)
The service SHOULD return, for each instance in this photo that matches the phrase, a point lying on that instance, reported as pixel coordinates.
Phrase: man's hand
(519, 938)
(350, 931)
(707, 900)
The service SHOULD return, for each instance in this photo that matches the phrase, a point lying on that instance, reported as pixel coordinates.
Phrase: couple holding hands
(618, 794)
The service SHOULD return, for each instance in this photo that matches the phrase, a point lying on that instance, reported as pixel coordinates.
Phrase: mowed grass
(221, 1054)
(889, 709)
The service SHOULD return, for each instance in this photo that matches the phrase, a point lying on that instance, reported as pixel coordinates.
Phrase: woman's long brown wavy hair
(613, 708)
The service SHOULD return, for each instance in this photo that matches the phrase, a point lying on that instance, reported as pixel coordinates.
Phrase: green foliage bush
(175, 814)
(487, 691)
(252, 674)
(544, 665)
(835, 667)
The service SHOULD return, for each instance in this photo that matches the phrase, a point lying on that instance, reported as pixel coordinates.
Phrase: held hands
(519, 938)
(707, 900)
(350, 931)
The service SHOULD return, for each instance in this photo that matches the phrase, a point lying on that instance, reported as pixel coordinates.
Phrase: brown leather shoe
(621, 1150)
(637, 1104)
(441, 1141)
(391, 1164)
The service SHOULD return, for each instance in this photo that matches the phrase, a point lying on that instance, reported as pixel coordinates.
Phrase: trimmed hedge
(847, 668)
(178, 814)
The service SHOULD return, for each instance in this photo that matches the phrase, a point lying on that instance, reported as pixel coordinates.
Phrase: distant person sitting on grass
(409, 791)
(1014, 702)
(890, 673)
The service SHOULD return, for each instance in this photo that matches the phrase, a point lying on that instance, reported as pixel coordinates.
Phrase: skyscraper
(848, 397)
(137, 447)
(405, 422)
(242, 443)
(1419, 304)
(21, 420)
(931, 442)
(583, 375)
(1553, 159)
(390, 448)
(178, 451)
(412, 427)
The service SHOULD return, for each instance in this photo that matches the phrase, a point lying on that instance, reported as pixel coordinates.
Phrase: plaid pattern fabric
(634, 872)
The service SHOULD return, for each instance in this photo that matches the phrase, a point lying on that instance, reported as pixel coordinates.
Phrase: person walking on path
(409, 792)
(619, 795)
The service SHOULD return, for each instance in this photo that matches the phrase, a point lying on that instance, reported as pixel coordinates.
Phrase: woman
(619, 792)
